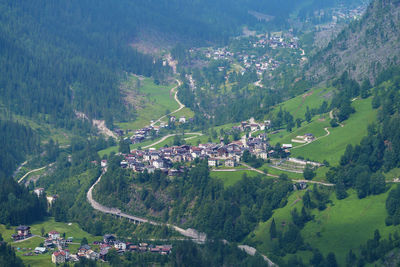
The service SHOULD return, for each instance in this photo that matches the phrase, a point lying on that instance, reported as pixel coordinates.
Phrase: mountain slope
(364, 48)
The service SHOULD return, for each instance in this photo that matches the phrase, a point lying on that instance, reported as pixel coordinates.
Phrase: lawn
(231, 178)
(332, 147)
(343, 225)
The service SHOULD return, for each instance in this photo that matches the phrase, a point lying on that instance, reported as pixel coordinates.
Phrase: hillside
(364, 48)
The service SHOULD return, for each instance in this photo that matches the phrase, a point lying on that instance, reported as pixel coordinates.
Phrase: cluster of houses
(216, 154)
(153, 130)
(61, 253)
(303, 139)
(145, 133)
(251, 60)
(109, 242)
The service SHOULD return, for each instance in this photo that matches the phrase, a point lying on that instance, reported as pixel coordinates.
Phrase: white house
(40, 250)
(182, 119)
(39, 191)
(120, 245)
(103, 163)
(230, 163)
(212, 162)
(158, 164)
(54, 235)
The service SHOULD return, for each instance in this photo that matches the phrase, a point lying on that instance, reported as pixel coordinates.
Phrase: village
(57, 245)
(249, 60)
(170, 160)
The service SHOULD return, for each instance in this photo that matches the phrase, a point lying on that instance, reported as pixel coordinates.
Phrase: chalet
(263, 155)
(92, 255)
(39, 191)
(230, 163)
(124, 164)
(158, 164)
(212, 162)
(54, 235)
(222, 152)
(108, 239)
(254, 127)
(120, 245)
(24, 231)
(103, 163)
(172, 119)
(58, 257)
(154, 155)
(40, 250)
(285, 146)
(182, 119)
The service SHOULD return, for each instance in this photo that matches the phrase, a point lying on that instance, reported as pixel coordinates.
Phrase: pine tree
(331, 260)
(308, 115)
(272, 229)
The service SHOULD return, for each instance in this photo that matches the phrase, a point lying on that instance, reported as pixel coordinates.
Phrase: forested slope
(364, 48)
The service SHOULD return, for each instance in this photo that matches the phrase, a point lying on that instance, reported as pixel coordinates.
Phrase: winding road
(189, 233)
(26, 174)
(181, 106)
(170, 135)
(327, 133)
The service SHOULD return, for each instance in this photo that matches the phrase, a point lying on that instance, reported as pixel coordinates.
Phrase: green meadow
(297, 106)
(332, 147)
(343, 225)
(154, 102)
(230, 178)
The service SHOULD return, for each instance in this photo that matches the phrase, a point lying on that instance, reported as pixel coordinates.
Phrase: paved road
(259, 171)
(327, 133)
(189, 233)
(170, 135)
(19, 168)
(26, 174)
(313, 182)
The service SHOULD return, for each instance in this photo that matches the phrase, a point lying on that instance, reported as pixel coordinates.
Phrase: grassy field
(230, 178)
(274, 171)
(344, 225)
(297, 106)
(315, 127)
(155, 101)
(332, 147)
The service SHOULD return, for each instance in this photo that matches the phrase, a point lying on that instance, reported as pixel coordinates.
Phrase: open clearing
(343, 225)
(297, 106)
(154, 102)
(230, 178)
